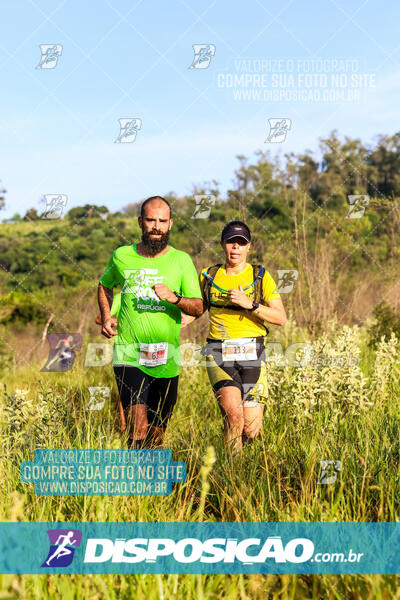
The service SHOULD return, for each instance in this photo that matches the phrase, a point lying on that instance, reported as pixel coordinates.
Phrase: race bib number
(152, 355)
(239, 349)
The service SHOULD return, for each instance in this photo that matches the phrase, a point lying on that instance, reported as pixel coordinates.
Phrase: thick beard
(155, 246)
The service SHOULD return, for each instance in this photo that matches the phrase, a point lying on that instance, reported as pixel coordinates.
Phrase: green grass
(349, 413)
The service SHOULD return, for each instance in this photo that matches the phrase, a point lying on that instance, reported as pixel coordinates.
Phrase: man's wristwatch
(179, 298)
(255, 306)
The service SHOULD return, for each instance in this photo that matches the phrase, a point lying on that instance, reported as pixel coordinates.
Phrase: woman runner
(240, 298)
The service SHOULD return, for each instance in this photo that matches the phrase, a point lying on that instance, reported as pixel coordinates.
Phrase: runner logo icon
(63, 543)
(203, 54)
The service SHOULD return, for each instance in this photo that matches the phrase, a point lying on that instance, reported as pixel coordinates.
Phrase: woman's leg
(253, 414)
(230, 403)
(253, 388)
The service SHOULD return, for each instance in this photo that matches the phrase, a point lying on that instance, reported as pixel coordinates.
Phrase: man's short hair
(155, 198)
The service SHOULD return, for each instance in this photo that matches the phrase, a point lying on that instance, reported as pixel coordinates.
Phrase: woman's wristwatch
(255, 306)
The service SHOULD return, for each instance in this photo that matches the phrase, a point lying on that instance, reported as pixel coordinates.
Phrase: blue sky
(131, 59)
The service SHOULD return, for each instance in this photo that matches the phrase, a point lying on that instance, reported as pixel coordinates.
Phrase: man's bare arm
(105, 299)
(190, 306)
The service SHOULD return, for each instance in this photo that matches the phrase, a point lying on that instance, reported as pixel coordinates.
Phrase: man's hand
(240, 298)
(107, 328)
(186, 319)
(164, 293)
(99, 321)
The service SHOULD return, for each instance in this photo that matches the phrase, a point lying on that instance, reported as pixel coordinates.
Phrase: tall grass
(329, 409)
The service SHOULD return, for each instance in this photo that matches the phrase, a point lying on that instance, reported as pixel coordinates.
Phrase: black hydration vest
(257, 288)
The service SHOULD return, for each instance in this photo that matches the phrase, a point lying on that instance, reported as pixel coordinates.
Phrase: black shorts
(246, 375)
(158, 394)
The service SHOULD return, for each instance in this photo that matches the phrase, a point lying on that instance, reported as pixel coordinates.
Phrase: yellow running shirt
(226, 323)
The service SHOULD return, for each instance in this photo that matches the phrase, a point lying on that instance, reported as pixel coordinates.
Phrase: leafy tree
(31, 215)
(132, 209)
(14, 219)
(384, 164)
(387, 320)
(2, 196)
(88, 211)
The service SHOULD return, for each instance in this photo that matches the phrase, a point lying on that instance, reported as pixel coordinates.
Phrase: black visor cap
(235, 229)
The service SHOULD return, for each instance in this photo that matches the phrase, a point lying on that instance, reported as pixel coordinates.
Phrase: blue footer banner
(303, 548)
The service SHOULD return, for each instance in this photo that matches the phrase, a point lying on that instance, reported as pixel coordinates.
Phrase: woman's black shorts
(244, 374)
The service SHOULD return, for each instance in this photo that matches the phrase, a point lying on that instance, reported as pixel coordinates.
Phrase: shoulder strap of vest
(207, 281)
(258, 275)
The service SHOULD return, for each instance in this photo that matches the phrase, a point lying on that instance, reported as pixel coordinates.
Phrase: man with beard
(158, 283)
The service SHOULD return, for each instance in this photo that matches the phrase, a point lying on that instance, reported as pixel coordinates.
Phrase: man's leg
(156, 435)
(162, 398)
(138, 425)
(133, 386)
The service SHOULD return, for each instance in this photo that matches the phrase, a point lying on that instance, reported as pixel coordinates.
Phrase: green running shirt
(148, 328)
(116, 305)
